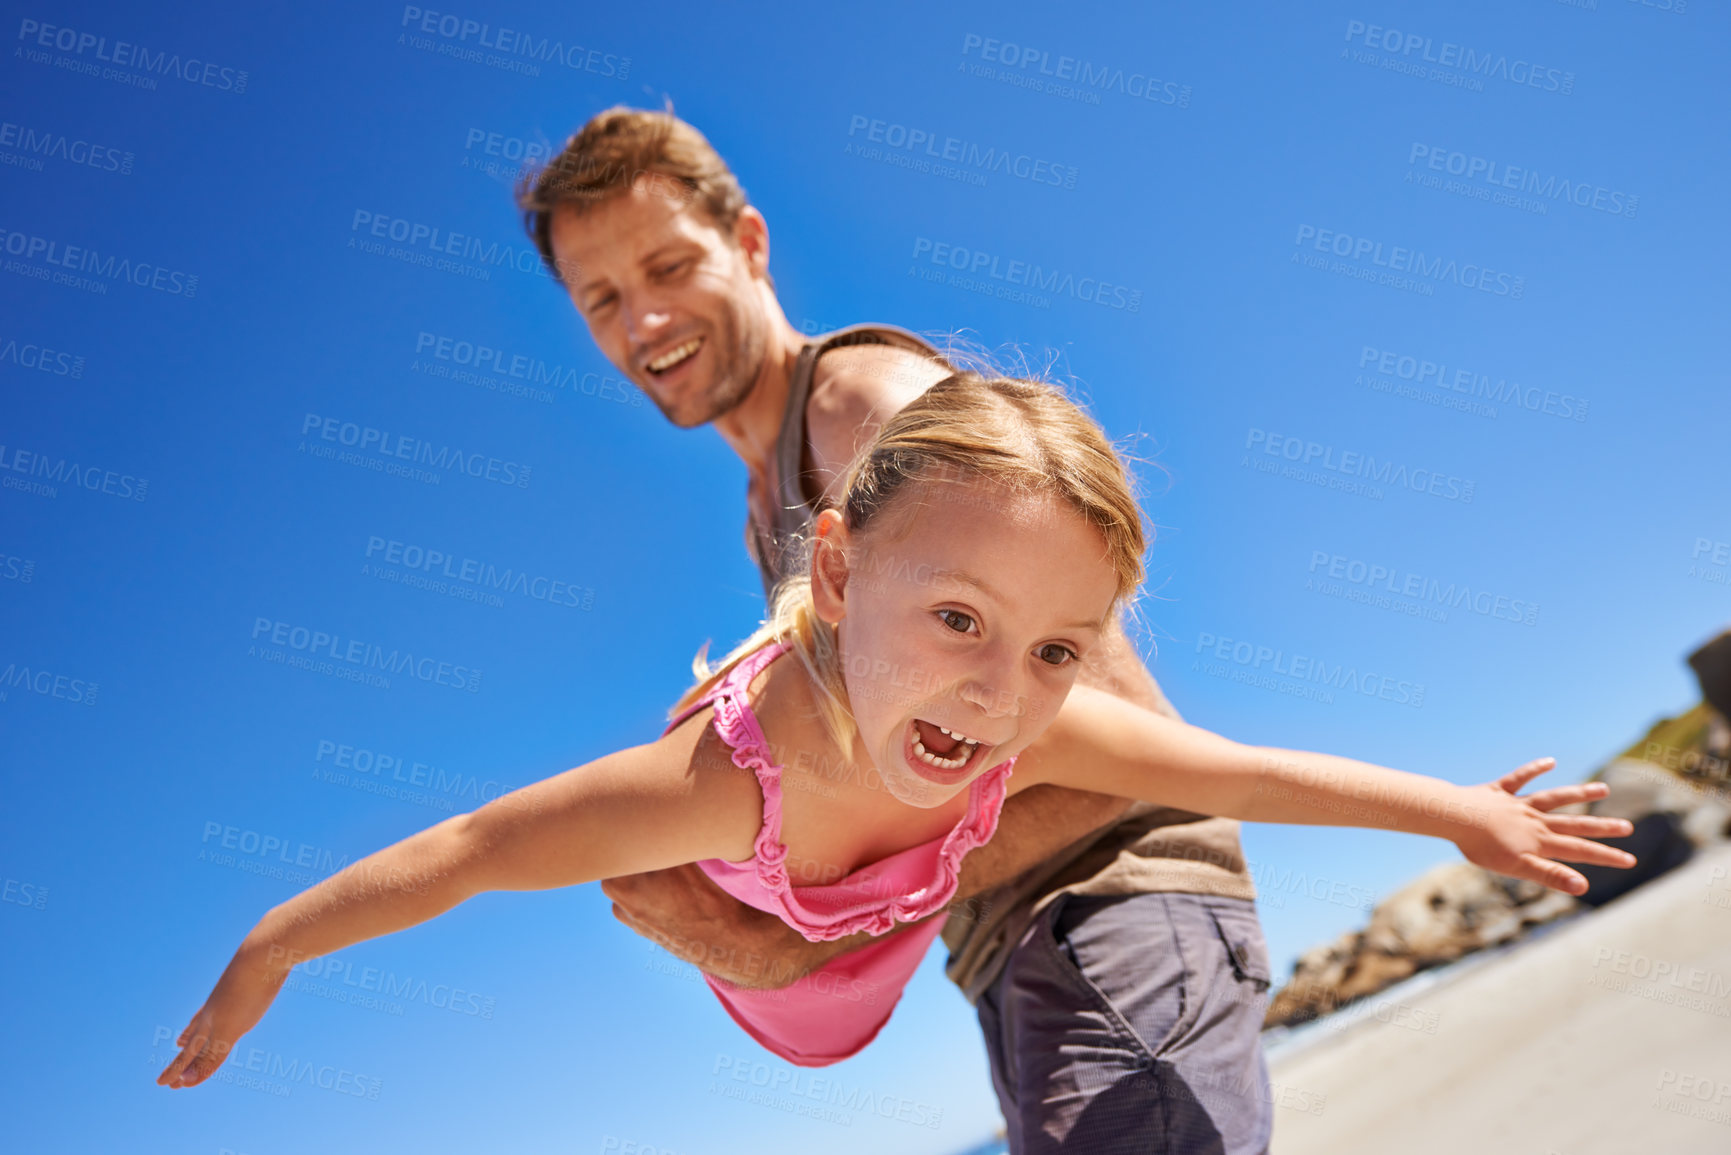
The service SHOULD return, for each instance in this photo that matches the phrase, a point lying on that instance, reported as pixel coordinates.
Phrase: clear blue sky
(1193, 158)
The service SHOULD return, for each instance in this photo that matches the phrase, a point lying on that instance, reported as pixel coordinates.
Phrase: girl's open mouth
(939, 754)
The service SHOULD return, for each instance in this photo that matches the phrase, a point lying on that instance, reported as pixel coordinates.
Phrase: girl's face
(962, 612)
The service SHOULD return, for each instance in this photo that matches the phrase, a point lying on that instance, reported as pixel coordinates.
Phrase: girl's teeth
(965, 751)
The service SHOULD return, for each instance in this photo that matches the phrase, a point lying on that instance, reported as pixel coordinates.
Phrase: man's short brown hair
(607, 156)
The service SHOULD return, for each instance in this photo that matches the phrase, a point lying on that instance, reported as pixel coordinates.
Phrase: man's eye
(596, 304)
(669, 270)
(956, 620)
(1056, 655)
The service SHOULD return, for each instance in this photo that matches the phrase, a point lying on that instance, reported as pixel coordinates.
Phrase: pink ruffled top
(833, 1012)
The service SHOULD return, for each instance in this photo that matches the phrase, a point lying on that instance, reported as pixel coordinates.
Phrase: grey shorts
(1132, 1024)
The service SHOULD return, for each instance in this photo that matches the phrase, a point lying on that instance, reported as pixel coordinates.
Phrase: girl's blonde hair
(1025, 436)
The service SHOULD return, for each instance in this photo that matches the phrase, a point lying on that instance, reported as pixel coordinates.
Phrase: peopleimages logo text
(127, 55)
(1026, 274)
(515, 42)
(1405, 260)
(1404, 583)
(1307, 668)
(988, 158)
(1351, 463)
(356, 652)
(41, 358)
(1485, 65)
(1501, 175)
(42, 143)
(1436, 375)
(400, 446)
(1070, 69)
(469, 570)
(83, 259)
(446, 242)
(33, 463)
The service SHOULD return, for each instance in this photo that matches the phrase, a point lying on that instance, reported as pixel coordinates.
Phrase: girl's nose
(994, 702)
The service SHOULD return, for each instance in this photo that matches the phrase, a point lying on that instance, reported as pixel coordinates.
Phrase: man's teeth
(963, 752)
(675, 355)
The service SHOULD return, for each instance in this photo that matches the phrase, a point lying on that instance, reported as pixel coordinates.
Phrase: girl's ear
(829, 568)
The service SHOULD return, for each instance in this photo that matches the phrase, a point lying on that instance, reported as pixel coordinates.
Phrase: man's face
(670, 298)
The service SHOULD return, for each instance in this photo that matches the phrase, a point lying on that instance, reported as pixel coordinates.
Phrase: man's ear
(751, 234)
(829, 568)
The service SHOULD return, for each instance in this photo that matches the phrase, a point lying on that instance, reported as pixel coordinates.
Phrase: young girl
(978, 554)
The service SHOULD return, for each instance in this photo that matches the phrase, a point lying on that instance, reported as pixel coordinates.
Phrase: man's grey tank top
(792, 506)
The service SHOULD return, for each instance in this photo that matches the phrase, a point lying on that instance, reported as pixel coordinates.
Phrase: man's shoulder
(868, 372)
(855, 390)
(859, 384)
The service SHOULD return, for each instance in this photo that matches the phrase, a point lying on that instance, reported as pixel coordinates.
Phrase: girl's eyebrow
(965, 578)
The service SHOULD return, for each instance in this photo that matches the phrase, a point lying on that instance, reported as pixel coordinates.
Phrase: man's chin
(701, 409)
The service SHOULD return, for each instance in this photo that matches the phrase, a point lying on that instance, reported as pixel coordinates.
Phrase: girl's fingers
(171, 1074)
(1523, 774)
(183, 1077)
(1586, 826)
(1552, 874)
(202, 1066)
(1567, 795)
(199, 1070)
(1582, 850)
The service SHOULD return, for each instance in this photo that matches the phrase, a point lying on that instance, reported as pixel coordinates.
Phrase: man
(1112, 951)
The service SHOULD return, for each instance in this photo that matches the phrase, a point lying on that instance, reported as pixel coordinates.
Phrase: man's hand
(1519, 837)
(690, 917)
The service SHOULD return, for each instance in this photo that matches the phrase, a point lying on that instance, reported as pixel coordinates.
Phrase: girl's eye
(956, 620)
(1055, 655)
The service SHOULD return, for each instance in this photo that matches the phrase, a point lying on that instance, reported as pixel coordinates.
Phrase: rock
(1674, 785)
(1675, 814)
(1658, 845)
(1447, 912)
(1639, 788)
(1712, 666)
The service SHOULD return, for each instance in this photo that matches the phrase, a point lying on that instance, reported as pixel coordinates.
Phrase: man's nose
(645, 320)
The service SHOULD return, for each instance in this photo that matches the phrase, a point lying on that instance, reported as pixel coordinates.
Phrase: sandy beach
(1608, 1035)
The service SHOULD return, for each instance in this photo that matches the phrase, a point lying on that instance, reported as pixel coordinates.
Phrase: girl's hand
(1519, 837)
(236, 1004)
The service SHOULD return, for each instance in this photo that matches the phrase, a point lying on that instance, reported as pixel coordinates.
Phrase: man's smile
(679, 353)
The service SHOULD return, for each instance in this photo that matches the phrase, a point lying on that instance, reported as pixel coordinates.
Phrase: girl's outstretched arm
(677, 800)
(1101, 743)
